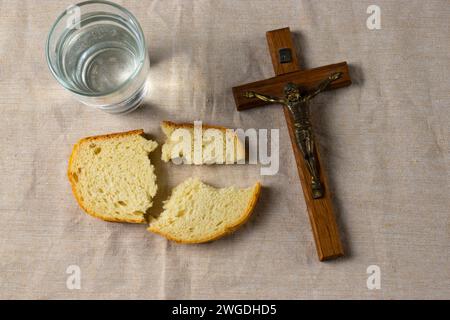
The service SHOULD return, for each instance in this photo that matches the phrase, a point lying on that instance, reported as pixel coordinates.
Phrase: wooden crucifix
(293, 88)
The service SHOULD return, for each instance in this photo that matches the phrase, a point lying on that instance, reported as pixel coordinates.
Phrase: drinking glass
(97, 50)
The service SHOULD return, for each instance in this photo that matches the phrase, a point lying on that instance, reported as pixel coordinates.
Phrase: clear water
(99, 57)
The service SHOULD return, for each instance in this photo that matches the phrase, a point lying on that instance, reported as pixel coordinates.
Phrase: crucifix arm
(252, 94)
(324, 84)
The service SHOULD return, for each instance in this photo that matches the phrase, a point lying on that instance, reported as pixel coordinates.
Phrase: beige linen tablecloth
(384, 143)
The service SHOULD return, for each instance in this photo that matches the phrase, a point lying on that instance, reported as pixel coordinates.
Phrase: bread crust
(220, 234)
(73, 182)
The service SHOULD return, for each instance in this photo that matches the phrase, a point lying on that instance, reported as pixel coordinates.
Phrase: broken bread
(112, 177)
(196, 212)
(205, 145)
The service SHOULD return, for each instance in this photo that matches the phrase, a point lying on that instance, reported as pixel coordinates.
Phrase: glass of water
(97, 50)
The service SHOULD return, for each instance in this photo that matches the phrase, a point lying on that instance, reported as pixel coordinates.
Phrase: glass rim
(128, 80)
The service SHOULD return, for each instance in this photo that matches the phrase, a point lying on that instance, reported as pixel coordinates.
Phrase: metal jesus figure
(297, 103)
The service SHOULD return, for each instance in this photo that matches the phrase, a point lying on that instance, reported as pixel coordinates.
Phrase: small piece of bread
(216, 145)
(196, 212)
(111, 176)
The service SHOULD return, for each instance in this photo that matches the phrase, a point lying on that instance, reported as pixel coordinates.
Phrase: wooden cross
(287, 69)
